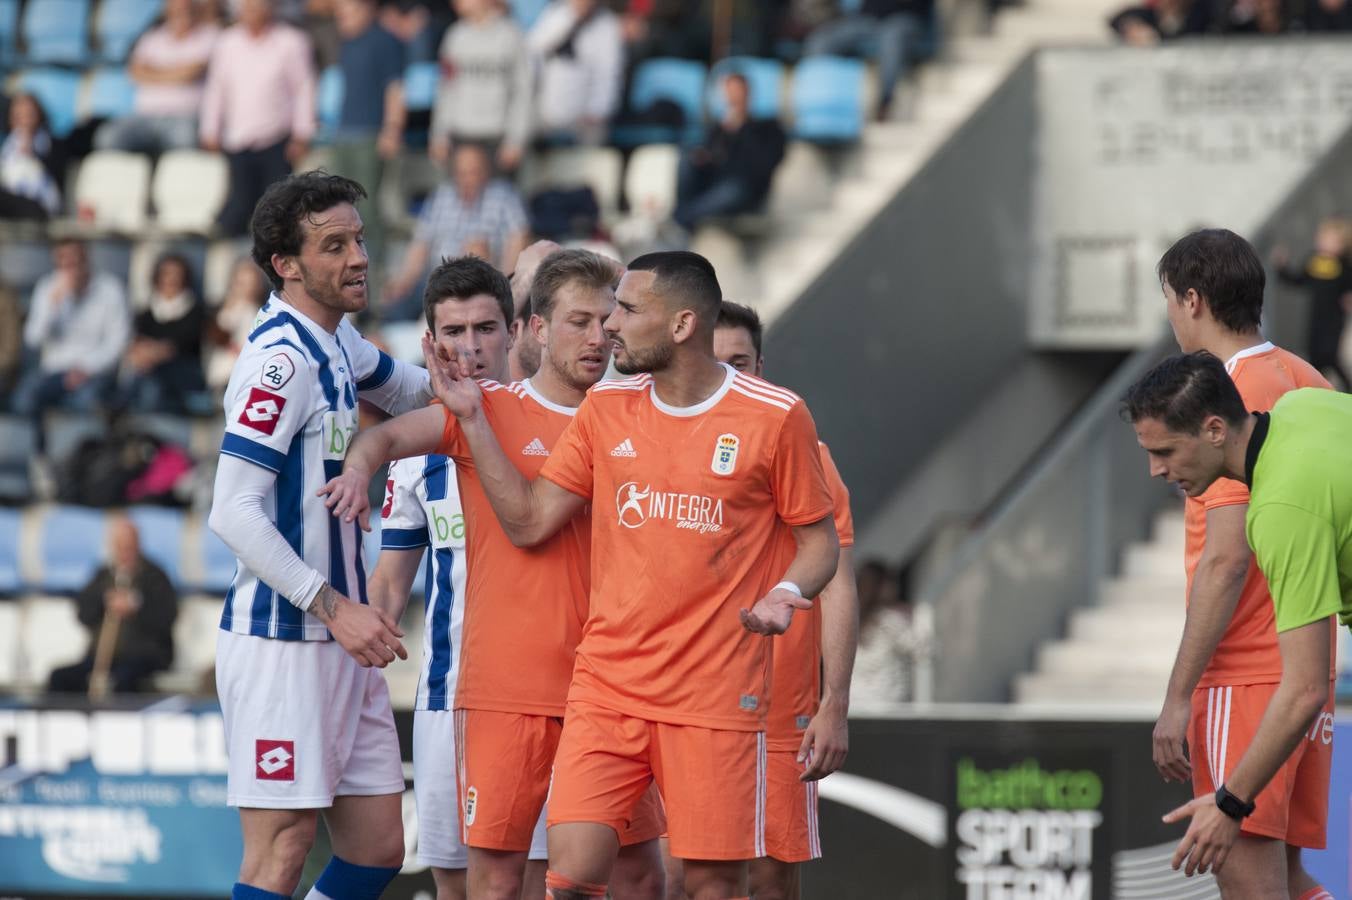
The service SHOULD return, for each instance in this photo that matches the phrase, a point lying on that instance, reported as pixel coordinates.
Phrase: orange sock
(556, 882)
(1316, 893)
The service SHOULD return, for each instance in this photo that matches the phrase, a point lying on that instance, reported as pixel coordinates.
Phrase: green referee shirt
(1299, 469)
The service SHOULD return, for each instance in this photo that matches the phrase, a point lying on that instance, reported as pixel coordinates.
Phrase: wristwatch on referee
(1232, 806)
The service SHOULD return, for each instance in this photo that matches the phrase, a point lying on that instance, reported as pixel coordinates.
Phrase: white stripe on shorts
(760, 794)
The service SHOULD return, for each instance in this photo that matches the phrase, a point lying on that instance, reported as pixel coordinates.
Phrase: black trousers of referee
(251, 171)
(127, 675)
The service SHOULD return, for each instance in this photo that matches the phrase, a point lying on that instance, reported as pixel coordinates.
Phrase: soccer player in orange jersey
(806, 734)
(525, 608)
(691, 467)
(1228, 662)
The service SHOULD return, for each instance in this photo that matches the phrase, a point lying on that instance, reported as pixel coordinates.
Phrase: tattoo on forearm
(327, 602)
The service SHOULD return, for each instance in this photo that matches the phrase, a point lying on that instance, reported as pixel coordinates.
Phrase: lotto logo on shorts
(275, 760)
(471, 804)
(262, 411)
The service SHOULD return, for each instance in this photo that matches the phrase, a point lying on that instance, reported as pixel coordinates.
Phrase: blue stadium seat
(72, 548)
(329, 102)
(9, 33)
(120, 23)
(54, 31)
(527, 11)
(112, 94)
(58, 91)
(9, 551)
(420, 85)
(765, 81)
(161, 538)
(828, 99)
(218, 563)
(679, 80)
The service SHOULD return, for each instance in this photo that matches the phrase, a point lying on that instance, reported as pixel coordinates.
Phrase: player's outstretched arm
(813, 566)
(411, 434)
(826, 742)
(529, 511)
(389, 585)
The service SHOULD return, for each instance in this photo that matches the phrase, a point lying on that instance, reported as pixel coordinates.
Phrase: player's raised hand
(452, 379)
(347, 497)
(826, 742)
(369, 635)
(1171, 730)
(773, 612)
(1210, 836)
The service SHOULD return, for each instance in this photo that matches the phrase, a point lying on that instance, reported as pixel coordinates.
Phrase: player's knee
(706, 884)
(498, 883)
(771, 880)
(638, 883)
(281, 861)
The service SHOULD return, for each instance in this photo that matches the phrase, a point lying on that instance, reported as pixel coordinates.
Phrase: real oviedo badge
(725, 454)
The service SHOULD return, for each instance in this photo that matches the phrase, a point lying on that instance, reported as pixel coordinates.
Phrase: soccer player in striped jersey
(513, 682)
(468, 302)
(308, 723)
(806, 733)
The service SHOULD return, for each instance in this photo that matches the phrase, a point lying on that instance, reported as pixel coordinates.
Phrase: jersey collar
(703, 406)
(545, 401)
(1255, 350)
(1260, 433)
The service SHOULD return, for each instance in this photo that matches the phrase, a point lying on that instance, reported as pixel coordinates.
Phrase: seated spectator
(578, 49)
(235, 318)
(730, 172)
(1326, 275)
(474, 212)
(169, 66)
(163, 365)
(890, 640)
(1162, 20)
(890, 26)
(371, 121)
(259, 106)
(484, 94)
(129, 609)
(31, 163)
(1257, 17)
(78, 325)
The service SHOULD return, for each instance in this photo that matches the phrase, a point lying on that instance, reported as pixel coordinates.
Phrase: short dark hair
(1224, 270)
(462, 278)
(564, 267)
(1183, 392)
(737, 315)
(171, 258)
(276, 222)
(686, 278)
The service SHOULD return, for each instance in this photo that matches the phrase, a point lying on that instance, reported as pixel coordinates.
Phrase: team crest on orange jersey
(725, 454)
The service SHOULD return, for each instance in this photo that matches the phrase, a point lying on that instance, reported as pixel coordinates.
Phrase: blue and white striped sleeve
(403, 521)
(267, 404)
(394, 386)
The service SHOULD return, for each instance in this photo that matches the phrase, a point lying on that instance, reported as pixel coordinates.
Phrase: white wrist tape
(788, 586)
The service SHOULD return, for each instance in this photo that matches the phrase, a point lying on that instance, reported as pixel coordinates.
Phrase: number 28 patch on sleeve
(277, 371)
(262, 410)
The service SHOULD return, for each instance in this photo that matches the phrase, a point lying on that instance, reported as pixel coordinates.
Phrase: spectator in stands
(1161, 20)
(31, 163)
(78, 325)
(259, 106)
(169, 66)
(484, 94)
(1257, 17)
(730, 172)
(235, 318)
(474, 209)
(129, 607)
(163, 366)
(888, 28)
(1326, 274)
(579, 50)
(371, 121)
(890, 642)
(666, 28)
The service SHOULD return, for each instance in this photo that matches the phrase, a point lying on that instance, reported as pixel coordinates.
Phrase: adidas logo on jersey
(535, 448)
(626, 448)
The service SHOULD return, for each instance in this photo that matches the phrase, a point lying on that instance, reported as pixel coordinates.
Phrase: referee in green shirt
(1297, 462)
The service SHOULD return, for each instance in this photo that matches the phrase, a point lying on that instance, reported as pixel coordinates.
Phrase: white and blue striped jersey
(291, 408)
(422, 509)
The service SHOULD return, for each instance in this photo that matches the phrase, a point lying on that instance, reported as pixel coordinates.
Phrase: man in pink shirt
(169, 65)
(259, 106)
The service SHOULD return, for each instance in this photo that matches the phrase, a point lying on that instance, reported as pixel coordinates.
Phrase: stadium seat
(16, 447)
(679, 80)
(218, 563)
(650, 180)
(195, 630)
(803, 183)
(420, 85)
(9, 33)
(765, 83)
(161, 538)
(11, 619)
(188, 190)
(66, 430)
(10, 523)
(50, 636)
(119, 23)
(219, 263)
(111, 94)
(72, 547)
(54, 31)
(58, 90)
(594, 167)
(329, 102)
(115, 186)
(527, 11)
(828, 99)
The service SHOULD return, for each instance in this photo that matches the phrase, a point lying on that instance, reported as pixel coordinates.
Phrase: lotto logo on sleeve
(275, 760)
(262, 410)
